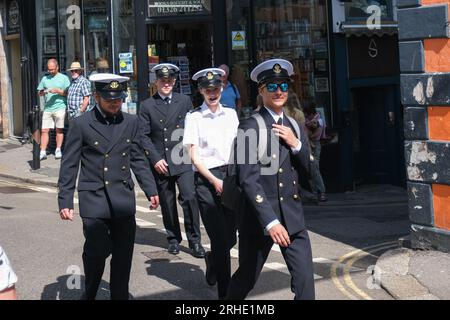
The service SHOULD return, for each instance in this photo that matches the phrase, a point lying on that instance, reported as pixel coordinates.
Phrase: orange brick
(439, 123)
(437, 55)
(441, 201)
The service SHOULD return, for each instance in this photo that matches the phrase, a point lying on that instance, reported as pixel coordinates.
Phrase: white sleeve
(7, 276)
(190, 131)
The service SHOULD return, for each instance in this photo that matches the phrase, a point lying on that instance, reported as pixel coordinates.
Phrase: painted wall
(424, 37)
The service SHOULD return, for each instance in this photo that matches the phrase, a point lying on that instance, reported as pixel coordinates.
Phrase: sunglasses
(273, 87)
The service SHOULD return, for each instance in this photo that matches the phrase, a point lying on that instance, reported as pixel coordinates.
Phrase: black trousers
(221, 226)
(104, 237)
(253, 253)
(188, 201)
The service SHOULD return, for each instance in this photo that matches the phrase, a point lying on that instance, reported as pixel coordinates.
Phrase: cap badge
(210, 75)
(165, 70)
(277, 68)
(114, 85)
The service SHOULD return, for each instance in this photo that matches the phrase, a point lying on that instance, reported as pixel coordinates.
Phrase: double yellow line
(352, 291)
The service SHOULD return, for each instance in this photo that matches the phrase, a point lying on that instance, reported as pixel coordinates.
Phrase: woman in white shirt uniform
(209, 134)
(8, 278)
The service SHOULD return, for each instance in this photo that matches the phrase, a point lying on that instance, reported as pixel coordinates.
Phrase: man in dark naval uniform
(162, 129)
(272, 210)
(107, 144)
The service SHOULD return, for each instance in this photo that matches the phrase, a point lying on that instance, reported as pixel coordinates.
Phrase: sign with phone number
(186, 7)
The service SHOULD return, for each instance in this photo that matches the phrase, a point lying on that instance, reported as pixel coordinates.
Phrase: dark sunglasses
(273, 87)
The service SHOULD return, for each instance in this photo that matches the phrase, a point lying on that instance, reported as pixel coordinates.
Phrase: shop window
(297, 31)
(363, 9)
(46, 33)
(96, 31)
(69, 30)
(124, 47)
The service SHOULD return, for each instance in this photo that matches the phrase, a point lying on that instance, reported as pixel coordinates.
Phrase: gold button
(124, 182)
(178, 127)
(295, 183)
(147, 153)
(281, 170)
(128, 140)
(124, 168)
(124, 154)
(167, 149)
(107, 183)
(274, 156)
(106, 155)
(281, 185)
(96, 143)
(166, 140)
(281, 199)
(259, 199)
(296, 197)
(106, 169)
(161, 121)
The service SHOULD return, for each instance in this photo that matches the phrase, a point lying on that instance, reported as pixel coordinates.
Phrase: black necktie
(280, 121)
(167, 100)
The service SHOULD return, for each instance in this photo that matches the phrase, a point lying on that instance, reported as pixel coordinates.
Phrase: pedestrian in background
(107, 144)
(272, 211)
(160, 117)
(315, 126)
(79, 92)
(209, 134)
(231, 97)
(54, 87)
(8, 278)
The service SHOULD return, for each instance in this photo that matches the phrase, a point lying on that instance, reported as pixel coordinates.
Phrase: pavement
(404, 273)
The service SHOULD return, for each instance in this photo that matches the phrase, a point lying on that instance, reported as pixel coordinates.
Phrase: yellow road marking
(354, 256)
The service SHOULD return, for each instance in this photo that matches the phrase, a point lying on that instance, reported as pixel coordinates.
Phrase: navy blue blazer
(158, 121)
(273, 196)
(107, 154)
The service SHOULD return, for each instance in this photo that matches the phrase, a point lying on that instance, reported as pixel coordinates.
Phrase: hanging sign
(171, 8)
(126, 62)
(238, 40)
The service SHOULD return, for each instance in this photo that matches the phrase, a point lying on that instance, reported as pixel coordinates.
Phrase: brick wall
(424, 35)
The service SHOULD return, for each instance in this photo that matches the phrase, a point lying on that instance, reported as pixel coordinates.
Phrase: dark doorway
(377, 140)
(189, 45)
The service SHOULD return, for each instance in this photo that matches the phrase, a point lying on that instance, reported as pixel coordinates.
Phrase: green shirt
(54, 102)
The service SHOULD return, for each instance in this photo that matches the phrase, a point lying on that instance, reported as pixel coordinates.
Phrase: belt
(221, 168)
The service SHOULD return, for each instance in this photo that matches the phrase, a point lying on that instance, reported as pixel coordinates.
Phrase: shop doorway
(377, 139)
(16, 81)
(187, 45)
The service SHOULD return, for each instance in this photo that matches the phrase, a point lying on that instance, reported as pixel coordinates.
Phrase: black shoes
(197, 250)
(210, 274)
(174, 248)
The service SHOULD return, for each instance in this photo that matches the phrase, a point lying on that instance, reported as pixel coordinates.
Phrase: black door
(377, 139)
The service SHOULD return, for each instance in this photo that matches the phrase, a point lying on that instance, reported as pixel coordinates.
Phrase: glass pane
(358, 8)
(238, 13)
(96, 26)
(124, 46)
(297, 31)
(70, 42)
(46, 33)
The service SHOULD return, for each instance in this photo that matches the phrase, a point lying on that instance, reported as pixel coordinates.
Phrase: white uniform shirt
(212, 133)
(7, 276)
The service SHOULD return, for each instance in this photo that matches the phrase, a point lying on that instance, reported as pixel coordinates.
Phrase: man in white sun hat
(79, 92)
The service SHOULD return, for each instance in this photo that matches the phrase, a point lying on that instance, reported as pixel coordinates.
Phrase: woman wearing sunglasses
(272, 212)
(209, 134)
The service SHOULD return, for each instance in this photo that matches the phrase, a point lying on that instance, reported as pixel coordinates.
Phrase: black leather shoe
(210, 274)
(174, 248)
(197, 250)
